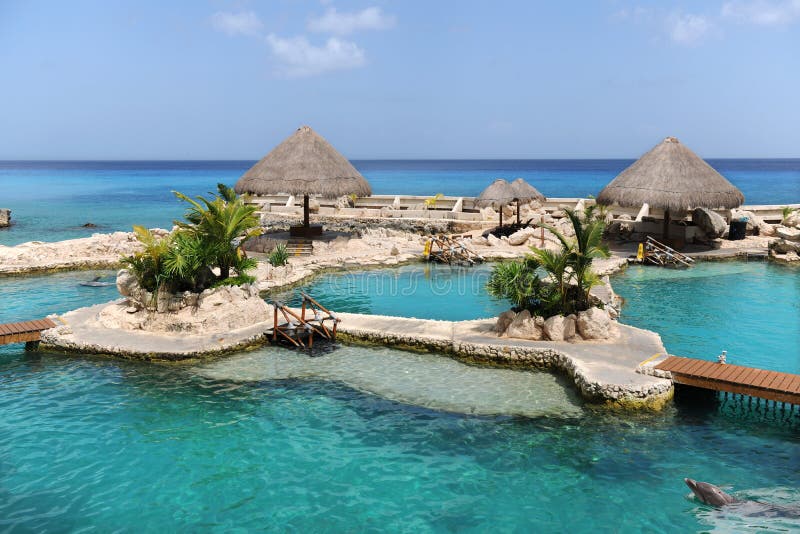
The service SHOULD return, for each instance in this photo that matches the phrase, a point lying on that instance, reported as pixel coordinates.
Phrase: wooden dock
(769, 385)
(28, 332)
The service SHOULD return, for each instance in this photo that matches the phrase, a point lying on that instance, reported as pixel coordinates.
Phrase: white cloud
(371, 18)
(763, 12)
(687, 29)
(297, 57)
(244, 23)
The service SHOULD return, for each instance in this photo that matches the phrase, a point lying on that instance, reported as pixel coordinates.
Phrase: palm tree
(588, 245)
(221, 223)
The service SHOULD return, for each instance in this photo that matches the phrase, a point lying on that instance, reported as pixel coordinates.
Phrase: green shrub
(279, 256)
(208, 238)
(569, 278)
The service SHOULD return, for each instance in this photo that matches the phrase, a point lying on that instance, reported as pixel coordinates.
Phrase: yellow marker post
(640, 253)
(427, 250)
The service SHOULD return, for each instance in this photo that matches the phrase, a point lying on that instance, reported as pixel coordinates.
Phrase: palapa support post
(306, 223)
(665, 233)
(501, 216)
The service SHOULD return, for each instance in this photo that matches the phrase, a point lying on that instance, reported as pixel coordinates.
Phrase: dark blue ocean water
(51, 200)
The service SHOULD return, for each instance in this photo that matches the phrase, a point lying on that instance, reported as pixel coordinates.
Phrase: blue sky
(405, 79)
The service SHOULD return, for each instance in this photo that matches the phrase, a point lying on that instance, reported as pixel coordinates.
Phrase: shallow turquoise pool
(750, 309)
(421, 290)
(352, 440)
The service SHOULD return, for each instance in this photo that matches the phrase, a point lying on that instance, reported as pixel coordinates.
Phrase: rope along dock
(769, 385)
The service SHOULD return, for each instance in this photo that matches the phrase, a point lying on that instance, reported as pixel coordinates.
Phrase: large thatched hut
(498, 195)
(673, 178)
(304, 164)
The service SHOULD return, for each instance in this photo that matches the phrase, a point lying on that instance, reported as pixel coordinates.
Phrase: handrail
(671, 253)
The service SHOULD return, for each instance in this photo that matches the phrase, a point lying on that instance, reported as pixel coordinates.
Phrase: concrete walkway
(604, 372)
(79, 331)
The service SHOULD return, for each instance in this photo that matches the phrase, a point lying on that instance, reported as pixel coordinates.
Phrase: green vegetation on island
(203, 251)
(568, 277)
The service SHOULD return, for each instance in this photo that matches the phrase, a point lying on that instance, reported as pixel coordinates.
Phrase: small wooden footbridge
(298, 328)
(452, 250)
(734, 379)
(28, 332)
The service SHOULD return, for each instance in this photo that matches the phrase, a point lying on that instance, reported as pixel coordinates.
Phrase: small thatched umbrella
(673, 178)
(304, 164)
(525, 192)
(497, 195)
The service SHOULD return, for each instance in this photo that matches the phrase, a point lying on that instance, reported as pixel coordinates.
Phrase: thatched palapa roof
(304, 163)
(671, 177)
(496, 195)
(525, 192)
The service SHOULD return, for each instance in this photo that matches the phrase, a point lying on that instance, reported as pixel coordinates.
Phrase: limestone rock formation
(494, 241)
(504, 320)
(793, 220)
(790, 234)
(5, 217)
(521, 236)
(710, 222)
(559, 328)
(525, 327)
(594, 323)
(216, 310)
(480, 241)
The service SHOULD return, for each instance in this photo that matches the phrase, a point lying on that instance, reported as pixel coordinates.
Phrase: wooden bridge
(768, 385)
(28, 332)
(299, 329)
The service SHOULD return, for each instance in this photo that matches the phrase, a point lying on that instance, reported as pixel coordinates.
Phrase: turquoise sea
(375, 439)
(51, 201)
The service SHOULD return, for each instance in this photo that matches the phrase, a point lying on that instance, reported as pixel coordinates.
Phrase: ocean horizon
(52, 200)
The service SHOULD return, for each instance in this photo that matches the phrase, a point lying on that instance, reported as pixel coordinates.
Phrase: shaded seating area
(673, 179)
(500, 194)
(304, 164)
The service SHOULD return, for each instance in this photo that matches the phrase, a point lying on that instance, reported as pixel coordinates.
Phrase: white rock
(480, 241)
(525, 327)
(559, 328)
(793, 220)
(790, 234)
(488, 213)
(594, 323)
(494, 241)
(521, 236)
(710, 222)
(503, 321)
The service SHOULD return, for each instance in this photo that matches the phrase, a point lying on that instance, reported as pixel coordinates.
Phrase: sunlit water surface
(354, 439)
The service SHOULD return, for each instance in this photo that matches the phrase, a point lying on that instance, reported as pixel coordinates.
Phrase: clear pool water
(275, 440)
(421, 290)
(750, 309)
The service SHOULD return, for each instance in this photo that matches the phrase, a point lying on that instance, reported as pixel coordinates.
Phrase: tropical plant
(569, 277)
(786, 211)
(209, 237)
(431, 202)
(352, 197)
(279, 256)
(220, 223)
(148, 265)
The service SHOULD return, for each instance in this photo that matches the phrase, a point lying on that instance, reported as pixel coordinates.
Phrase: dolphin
(712, 495)
(95, 283)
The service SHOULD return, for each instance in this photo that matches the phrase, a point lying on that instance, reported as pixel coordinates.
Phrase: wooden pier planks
(24, 331)
(770, 385)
